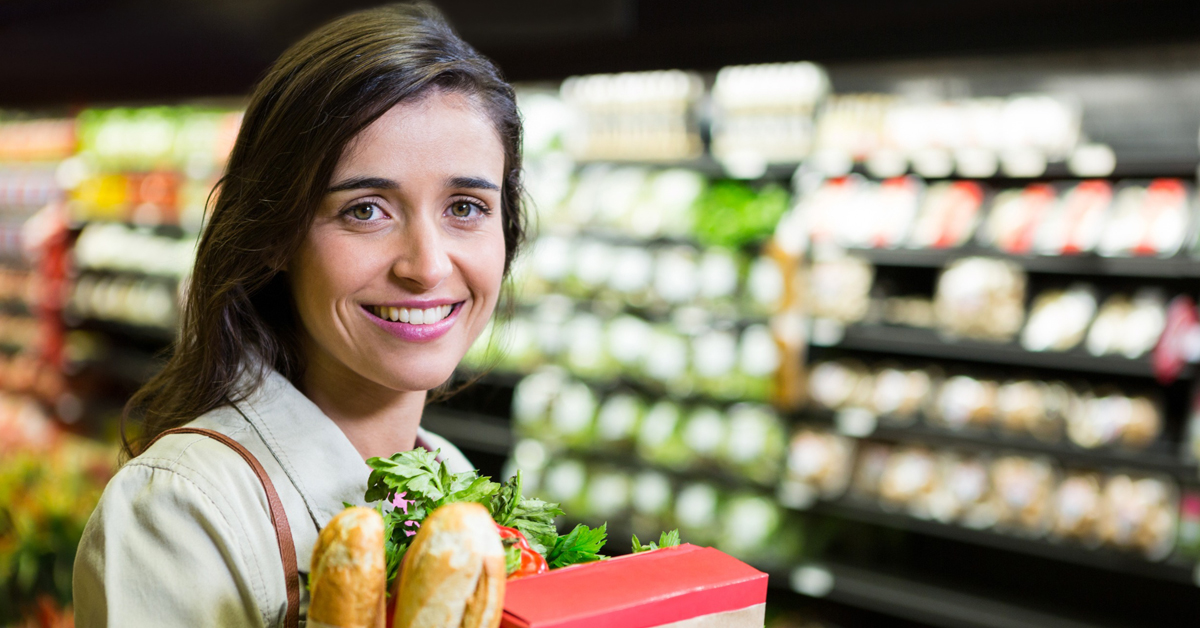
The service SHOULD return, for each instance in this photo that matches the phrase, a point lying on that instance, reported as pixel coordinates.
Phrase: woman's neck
(377, 420)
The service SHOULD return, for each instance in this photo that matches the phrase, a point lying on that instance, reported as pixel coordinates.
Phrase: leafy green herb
(666, 539)
(424, 484)
(581, 545)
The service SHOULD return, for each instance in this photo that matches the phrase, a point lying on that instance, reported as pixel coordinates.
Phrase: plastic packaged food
(1111, 418)
(1149, 220)
(1058, 319)
(1076, 223)
(1039, 409)
(1077, 508)
(821, 461)
(908, 479)
(981, 298)
(1024, 489)
(1016, 215)
(900, 395)
(868, 469)
(1128, 327)
(948, 215)
(965, 402)
(1140, 513)
(839, 289)
(964, 491)
(840, 384)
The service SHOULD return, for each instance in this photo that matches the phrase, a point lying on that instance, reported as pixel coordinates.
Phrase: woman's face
(403, 264)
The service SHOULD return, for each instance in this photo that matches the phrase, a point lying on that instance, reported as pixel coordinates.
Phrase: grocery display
(812, 328)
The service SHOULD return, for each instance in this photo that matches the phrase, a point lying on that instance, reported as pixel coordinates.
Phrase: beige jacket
(182, 535)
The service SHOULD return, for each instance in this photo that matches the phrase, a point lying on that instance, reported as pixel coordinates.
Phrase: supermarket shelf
(1177, 267)
(918, 601)
(1153, 459)
(1159, 457)
(706, 165)
(928, 343)
(1101, 558)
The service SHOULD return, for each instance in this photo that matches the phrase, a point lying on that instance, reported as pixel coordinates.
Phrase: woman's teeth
(412, 316)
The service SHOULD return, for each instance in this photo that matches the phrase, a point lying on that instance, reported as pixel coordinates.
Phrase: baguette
(348, 579)
(453, 574)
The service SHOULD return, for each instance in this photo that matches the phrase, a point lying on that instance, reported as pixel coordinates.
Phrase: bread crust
(453, 574)
(348, 577)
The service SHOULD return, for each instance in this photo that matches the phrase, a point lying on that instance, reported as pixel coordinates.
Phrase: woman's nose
(423, 262)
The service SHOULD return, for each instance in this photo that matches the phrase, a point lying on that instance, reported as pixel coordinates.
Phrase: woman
(356, 248)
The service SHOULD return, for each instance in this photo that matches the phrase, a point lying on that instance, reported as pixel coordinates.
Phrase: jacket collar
(320, 461)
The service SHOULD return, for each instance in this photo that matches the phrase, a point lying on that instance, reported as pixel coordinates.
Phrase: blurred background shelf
(928, 343)
(1180, 266)
(928, 604)
(1067, 552)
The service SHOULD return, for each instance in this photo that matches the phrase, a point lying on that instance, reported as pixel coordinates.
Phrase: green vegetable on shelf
(732, 214)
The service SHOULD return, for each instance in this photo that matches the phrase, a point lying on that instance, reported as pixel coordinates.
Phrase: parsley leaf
(666, 539)
(581, 545)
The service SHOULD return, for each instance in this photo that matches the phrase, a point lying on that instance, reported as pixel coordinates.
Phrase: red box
(676, 586)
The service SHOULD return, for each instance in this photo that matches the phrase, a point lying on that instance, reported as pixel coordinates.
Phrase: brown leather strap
(283, 531)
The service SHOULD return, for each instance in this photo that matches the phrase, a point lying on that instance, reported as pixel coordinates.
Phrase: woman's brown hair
(238, 316)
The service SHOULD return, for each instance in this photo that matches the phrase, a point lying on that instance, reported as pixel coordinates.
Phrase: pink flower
(399, 502)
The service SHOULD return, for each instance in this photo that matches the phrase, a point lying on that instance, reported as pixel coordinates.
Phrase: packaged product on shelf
(900, 395)
(617, 421)
(705, 432)
(1059, 319)
(572, 414)
(676, 275)
(964, 491)
(869, 467)
(660, 436)
(965, 402)
(948, 215)
(908, 480)
(697, 511)
(565, 481)
(819, 463)
(632, 273)
(720, 272)
(981, 298)
(840, 384)
(533, 397)
(1140, 513)
(1107, 418)
(1128, 327)
(608, 494)
(642, 116)
(759, 360)
(1012, 224)
(1077, 508)
(1149, 220)
(627, 340)
(1024, 489)
(715, 362)
(593, 262)
(757, 442)
(585, 350)
(1188, 543)
(909, 311)
(1077, 221)
(764, 113)
(839, 289)
(750, 527)
(768, 285)
(666, 359)
(651, 503)
(1039, 409)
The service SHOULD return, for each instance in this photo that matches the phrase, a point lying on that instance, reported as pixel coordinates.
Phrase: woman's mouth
(412, 316)
(415, 324)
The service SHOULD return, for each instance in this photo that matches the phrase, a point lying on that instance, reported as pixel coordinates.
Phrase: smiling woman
(355, 250)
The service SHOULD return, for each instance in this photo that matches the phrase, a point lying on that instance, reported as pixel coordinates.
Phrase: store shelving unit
(1174, 267)
(927, 343)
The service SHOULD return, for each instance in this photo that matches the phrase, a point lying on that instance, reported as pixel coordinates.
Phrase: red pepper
(531, 561)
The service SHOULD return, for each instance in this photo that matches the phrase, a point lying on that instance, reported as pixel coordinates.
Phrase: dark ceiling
(67, 52)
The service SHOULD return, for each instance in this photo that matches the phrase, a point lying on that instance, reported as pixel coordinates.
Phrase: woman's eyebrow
(364, 183)
(471, 183)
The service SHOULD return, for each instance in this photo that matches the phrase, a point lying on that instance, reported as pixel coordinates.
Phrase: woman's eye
(365, 211)
(463, 209)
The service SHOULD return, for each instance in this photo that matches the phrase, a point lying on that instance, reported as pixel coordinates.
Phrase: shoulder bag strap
(283, 532)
